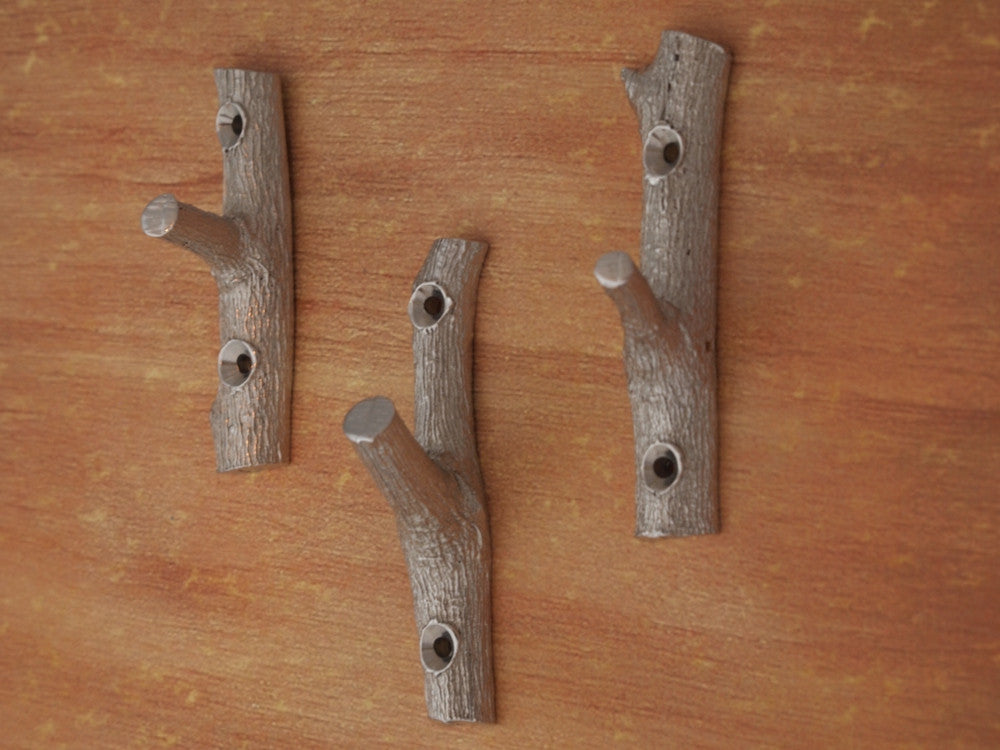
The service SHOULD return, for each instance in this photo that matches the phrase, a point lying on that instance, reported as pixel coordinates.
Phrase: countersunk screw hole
(661, 466)
(237, 361)
(662, 152)
(230, 124)
(428, 305)
(438, 645)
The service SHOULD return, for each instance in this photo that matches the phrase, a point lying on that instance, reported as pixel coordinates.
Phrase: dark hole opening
(244, 363)
(237, 126)
(443, 647)
(433, 306)
(672, 152)
(665, 467)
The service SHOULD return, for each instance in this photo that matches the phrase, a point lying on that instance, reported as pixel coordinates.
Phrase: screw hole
(244, 363)
(428, 305)
(443, 647)
(433, 306)
(672, 152)
(230, 123)
(661, 466)
(438, 644)
(237, 361)
(665, 467)
(662, 152)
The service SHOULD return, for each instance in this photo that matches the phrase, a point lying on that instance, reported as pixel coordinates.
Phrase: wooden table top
(852, 598)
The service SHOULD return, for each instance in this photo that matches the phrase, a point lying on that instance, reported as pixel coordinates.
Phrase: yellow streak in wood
(191, 579)
(899, 272)
(115, 79)
(47, 729)
(759, 29)
(29, 63)
(902, 561)
(990, 40)
(763, 372)
(153, 373)
(98, 515)
(799, 393)
(500, 199)
(900, 98)
(168, 740)
(892, 686)
(192, 697)
(795, 282)
(90, 719)
(868, 23)
(985, 134)
(342, 480)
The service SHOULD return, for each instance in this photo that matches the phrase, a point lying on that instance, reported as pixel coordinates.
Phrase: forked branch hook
(249, 251)
(668, 310)
(434, 485)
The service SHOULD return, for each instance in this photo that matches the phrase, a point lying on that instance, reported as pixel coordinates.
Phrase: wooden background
(853, 597)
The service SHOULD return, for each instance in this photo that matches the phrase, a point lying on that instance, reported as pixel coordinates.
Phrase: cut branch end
(369, 419)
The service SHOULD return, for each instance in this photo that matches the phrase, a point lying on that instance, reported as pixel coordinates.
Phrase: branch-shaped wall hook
(668, 310)
(249, 251)
(433, 483)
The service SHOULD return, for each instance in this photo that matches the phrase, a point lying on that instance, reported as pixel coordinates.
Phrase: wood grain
(852, 598)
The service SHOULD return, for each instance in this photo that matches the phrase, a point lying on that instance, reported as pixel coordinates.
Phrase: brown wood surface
(853, 596)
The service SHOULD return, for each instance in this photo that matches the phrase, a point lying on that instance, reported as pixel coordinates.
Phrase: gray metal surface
(433, 483)
(668, 310)
(249, 251)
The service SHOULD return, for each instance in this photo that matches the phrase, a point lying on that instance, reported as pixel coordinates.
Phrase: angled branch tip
(212, 237)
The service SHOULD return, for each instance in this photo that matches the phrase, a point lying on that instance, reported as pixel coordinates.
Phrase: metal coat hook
(249, 251)
(434, 485)
(668, 310)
